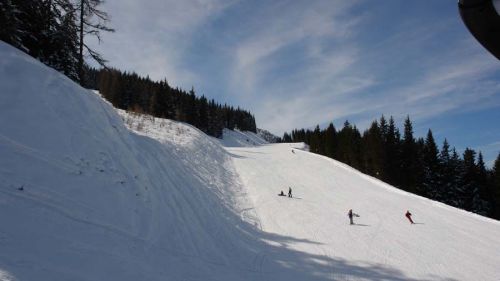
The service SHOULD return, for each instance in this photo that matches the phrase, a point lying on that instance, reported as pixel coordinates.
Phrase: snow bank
(84, 198)
(237, 138)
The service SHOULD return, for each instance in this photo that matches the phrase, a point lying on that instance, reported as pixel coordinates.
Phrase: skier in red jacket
(408, 216)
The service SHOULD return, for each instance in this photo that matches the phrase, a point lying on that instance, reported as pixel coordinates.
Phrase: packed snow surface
(91, 193)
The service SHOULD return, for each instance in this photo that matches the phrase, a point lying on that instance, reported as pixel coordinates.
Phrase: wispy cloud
(152, 36)
(430, 84)
(305, 65)
(284, 93)
(461, 83)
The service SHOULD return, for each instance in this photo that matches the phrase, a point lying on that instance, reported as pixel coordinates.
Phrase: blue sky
(295, 64)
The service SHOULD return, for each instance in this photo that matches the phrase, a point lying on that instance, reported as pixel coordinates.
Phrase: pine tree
(88, 10)
(44, 29)
(10, 30)
(457, 192)
(350, 145)
(468, 179)
(315, 145)
(420, 167)
(431, 181)
(373, 151)
(496, 188)
(155, 105)
(480, 204)
(346, 143)
(33, 27)
(287, 137)
(392, 171)
(203, 114)
(167, 100)
(330, 140)
(215, 123)
(447, 173)
(408, 158)
(114, 94)
(65, 43)
(383, 127)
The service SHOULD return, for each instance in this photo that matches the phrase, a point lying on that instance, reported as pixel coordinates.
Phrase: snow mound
(267, 136)
(82, 197)
(237, 138)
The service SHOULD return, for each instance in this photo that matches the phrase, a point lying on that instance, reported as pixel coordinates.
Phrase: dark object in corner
(483, 21)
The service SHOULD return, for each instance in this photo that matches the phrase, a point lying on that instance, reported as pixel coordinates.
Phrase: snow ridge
(84, 198)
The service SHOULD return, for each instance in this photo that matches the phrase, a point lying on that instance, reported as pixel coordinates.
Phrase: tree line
(415, 165)
(131, 92)
(56, 31)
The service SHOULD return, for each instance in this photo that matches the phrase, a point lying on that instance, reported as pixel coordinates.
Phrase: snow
(445, 244)
(100, 202)
(237, 138)
(111, 195)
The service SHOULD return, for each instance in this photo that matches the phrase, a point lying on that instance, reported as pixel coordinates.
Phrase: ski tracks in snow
(45, 203)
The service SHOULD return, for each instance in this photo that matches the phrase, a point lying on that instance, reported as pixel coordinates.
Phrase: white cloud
(283, 25)
(152, 36)
(456, 80)
(283, 97)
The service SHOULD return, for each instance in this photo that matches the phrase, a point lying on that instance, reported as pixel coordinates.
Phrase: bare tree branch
(89, 11)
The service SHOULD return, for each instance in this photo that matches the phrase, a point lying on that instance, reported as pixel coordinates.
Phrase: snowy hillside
(266, 135)
(91, 193)
(444, 244)
(238, 138)
(84, 198)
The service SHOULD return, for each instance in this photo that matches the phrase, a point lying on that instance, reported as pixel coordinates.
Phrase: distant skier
(293, 151)
(408, 216)
(281, 194)
(350, 214)
(290, 192)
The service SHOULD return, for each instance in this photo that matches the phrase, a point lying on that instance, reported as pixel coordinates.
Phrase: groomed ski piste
(88, 192)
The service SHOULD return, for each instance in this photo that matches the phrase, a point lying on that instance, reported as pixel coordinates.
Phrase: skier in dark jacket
(408, 216)
(289, 192)
(350, 214)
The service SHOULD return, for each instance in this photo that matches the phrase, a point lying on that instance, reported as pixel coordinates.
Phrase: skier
(350, 214)
(281, 193)
(289, 192)
(293, 151)
(408, 216)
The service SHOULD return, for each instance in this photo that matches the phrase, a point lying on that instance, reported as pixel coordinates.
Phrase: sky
(296, 64)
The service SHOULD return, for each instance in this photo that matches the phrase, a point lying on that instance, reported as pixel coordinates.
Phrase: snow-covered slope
(267, 136)
(89, 193)
(444, 244)
(84, 198)
(236, 138)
